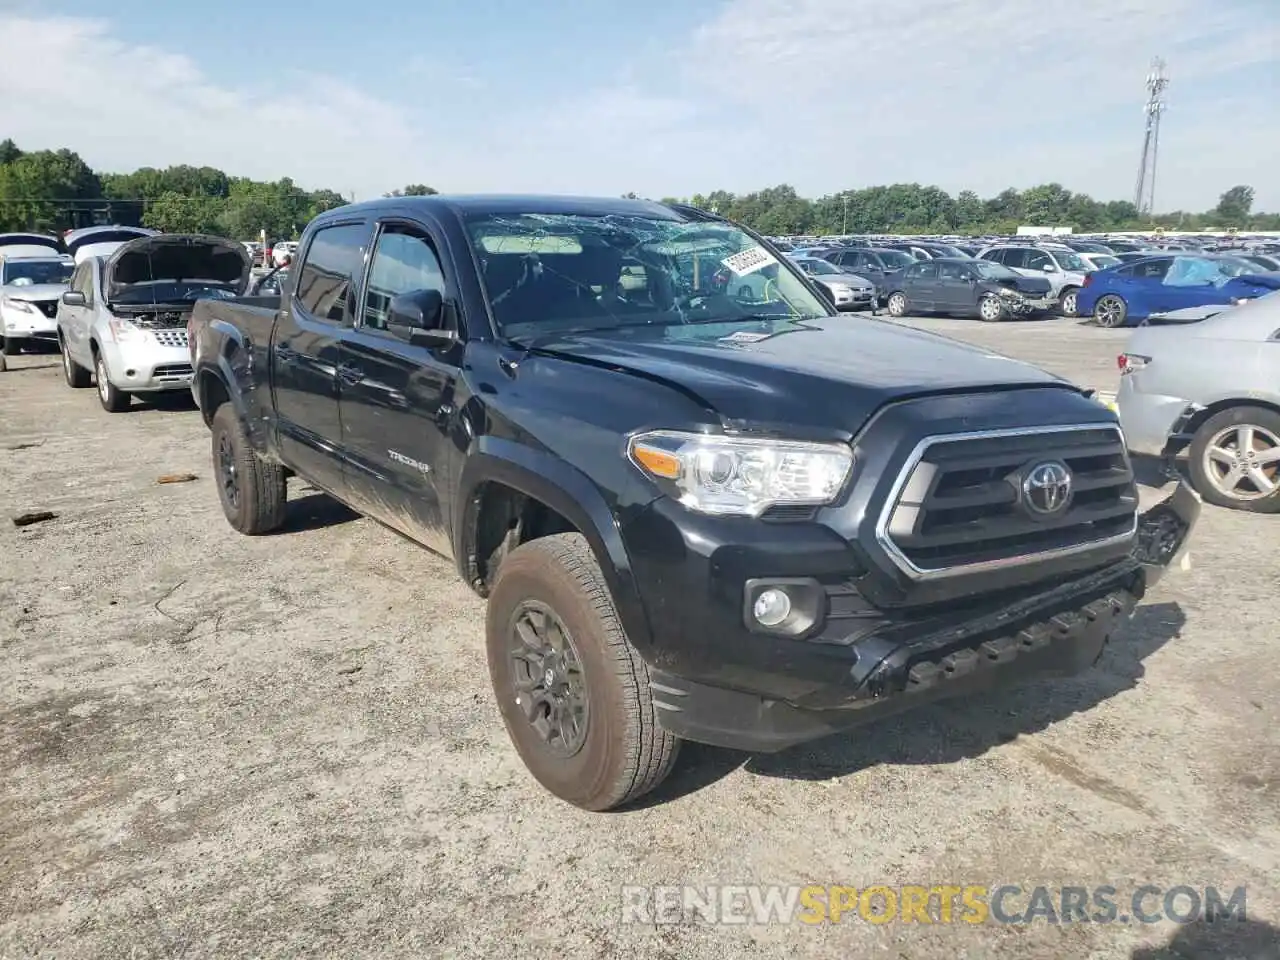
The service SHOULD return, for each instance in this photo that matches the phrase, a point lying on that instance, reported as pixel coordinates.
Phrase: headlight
(1010, 292)
(842, 289)
(742, 476)
(21, 306)
(125, 330)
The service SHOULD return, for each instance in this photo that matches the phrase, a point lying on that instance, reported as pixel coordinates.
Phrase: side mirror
(416, 317)
(1048, 268)
(74, 298)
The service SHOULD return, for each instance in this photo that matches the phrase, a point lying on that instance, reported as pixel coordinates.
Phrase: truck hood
(826, 373)
(33, 292)
(178, 258)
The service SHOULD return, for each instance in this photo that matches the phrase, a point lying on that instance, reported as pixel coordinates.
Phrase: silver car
(123, 321)
(1062, 266)
(1210, 388)
(848, 290)
(32, 278)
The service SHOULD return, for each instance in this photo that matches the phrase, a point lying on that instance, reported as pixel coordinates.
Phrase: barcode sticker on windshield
(749, 261)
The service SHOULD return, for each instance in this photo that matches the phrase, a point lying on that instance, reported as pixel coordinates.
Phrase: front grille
(169, 371)
(171, 338)
(960, 503)
(48, 307)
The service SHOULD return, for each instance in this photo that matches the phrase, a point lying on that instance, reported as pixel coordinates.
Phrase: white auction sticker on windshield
(749, 261)
(745, 336)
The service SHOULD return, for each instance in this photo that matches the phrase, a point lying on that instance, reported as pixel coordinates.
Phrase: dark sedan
(981, 288)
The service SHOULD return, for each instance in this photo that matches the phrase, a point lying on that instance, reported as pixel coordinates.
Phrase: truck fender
(228, 376)
(564, 489)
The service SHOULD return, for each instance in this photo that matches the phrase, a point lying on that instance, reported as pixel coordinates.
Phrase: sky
(660, 97)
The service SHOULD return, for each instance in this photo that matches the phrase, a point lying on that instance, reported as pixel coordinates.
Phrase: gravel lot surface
(221, 746)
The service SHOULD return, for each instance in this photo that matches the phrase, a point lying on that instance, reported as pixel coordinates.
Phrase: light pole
(844, 219)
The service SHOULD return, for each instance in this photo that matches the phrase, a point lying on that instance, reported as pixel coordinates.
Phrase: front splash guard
(1164, 533)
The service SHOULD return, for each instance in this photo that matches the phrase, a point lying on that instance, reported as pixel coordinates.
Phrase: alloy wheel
(228, 474)
(1109, 312)
(546, 672)
(100, 373)
(1243, 462)
(990, 308)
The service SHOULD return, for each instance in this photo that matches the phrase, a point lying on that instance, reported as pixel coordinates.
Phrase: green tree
(173, 212)
(414, 190)
(1234, 206)
(39, 190)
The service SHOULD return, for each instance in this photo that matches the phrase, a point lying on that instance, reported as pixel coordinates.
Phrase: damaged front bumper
(1058, 631)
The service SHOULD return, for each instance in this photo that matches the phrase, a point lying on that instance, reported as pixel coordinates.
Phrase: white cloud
(1002, 92)
(823, 94)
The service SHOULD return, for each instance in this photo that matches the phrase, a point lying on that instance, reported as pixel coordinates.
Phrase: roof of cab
(473, 204)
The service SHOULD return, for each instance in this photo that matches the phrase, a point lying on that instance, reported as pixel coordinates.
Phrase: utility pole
(1144, 194)
(844, 220)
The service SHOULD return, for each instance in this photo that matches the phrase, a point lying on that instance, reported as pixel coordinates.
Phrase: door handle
(350, 374)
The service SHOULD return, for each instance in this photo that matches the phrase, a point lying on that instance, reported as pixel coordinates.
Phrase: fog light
(771, 608)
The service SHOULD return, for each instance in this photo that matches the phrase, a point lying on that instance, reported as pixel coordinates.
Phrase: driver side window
(82, 281)
(403, 261)
(1037, 260)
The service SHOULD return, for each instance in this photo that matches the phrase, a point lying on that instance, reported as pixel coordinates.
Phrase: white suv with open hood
(124, 319)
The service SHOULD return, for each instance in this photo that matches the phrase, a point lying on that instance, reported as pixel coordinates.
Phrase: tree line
(56, 190)
(910, 208)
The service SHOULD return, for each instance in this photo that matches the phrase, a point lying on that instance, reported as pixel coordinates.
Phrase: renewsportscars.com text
(972, 904)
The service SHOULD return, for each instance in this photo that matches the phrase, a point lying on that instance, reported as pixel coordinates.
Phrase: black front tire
(75, 375)
(624, 752)
(12, 347)
(113, 399)
(992, 310)
(1110, 311)
(252, 491)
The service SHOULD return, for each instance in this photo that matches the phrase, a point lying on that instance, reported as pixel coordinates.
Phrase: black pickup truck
(705, 511)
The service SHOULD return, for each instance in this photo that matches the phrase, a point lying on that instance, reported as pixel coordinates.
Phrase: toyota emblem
(1046, 488)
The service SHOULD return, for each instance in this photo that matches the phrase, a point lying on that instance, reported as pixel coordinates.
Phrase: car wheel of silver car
(573, 693)
(1235, 459)
(897, 305)
(76, 375)
(991, 309)
(112, 399)
(1110, 311)
(11, 347)
(1067, 301)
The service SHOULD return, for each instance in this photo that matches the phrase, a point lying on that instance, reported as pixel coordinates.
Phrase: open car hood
(29, 244)
(179, 258)
(102, 240)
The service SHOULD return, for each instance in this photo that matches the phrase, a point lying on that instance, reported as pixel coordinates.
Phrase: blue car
(1126, 294)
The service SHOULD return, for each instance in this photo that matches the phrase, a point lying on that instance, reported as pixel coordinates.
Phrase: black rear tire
(623, 752)
(1110, 311)
(252, 491)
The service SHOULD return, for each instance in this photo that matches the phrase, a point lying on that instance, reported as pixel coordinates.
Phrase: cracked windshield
(547, 274)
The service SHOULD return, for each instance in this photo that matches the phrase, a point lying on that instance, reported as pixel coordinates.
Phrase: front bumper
(27, 325)
(1027, 305)
(1055, 631)
(149, 366)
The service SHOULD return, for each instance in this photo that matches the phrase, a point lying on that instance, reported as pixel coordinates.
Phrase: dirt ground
(221, 746)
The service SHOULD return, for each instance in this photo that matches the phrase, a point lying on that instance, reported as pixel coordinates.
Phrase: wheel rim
(898, 304)
(228, 473)
(104, 385)
(546, 673)
(66, 362)
(990, 309)
(1243, 462)
(1069, 304)
(1109, 311)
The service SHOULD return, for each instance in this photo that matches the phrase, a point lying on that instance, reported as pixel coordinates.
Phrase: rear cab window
(334, 258)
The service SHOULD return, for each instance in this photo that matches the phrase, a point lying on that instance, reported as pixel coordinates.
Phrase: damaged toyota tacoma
(698, 511)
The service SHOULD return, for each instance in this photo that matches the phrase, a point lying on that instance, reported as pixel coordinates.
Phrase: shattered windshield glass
(549, 273)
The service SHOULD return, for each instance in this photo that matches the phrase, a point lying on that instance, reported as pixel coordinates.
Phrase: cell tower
(1144, 195)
